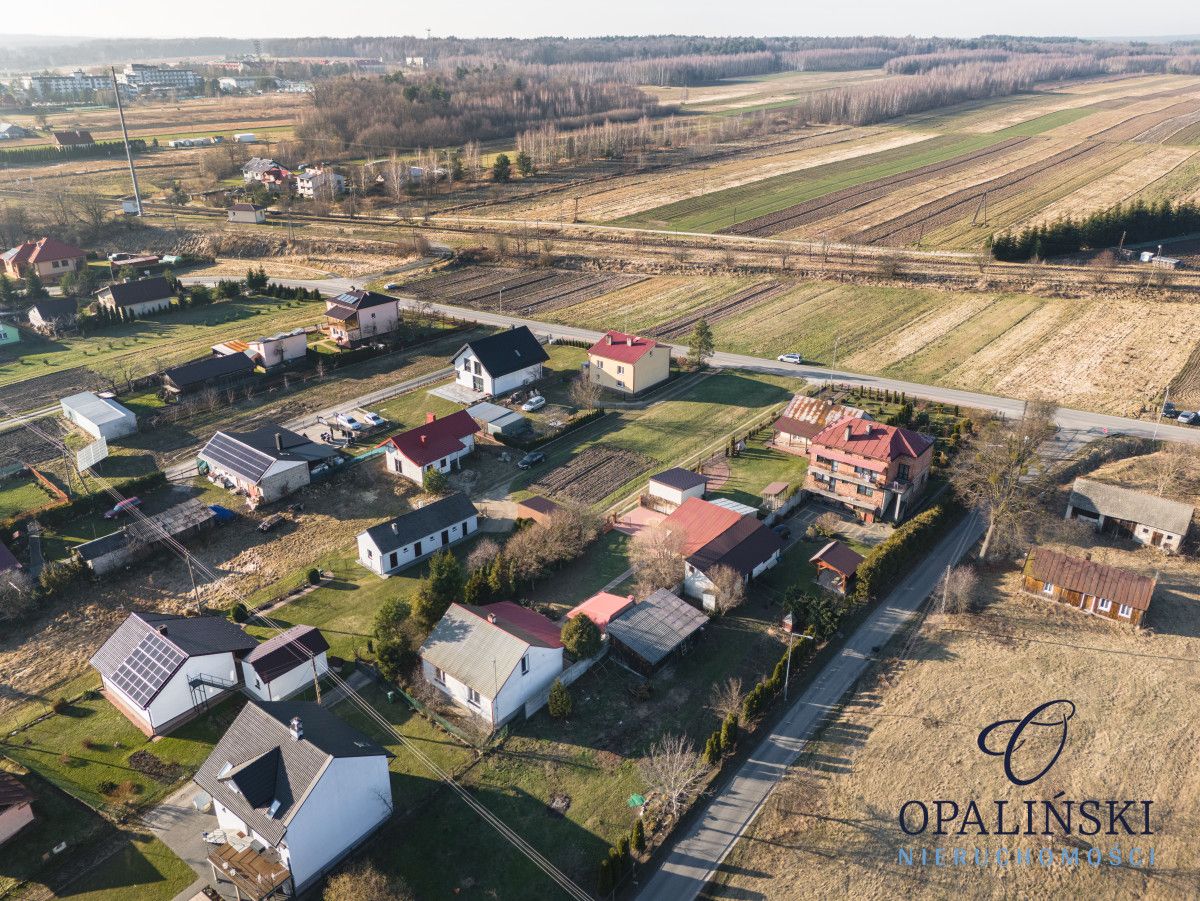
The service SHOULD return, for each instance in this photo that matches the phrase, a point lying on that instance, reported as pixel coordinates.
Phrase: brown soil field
(1166, 132)
(1137, 127)
(722, 309)
(593, 475)
(1109, 120)
(910, 728)
(516, 291)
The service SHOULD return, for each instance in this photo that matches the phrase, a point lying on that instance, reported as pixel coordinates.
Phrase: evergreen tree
(502, 168)
(700, 344)
(34, 289)
(560, 700)
(639, 836)
(8, 294)
(524, 164)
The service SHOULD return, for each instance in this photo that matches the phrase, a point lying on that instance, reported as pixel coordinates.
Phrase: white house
(438, 444)
(676, 485)
(391, 546)
(265, 464)
(286, 664)
(359, 315)
(248, 213)
(16, 806)
(160, 670)
(301, 785)
(501, 362)
(319, 182)
(1157, 521)
(52, 314)
(492, 660)
(140, 297)
(100, 417)
(278, 349)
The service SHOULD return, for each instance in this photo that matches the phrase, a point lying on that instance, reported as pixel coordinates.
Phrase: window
(864, 491)
(472, 697)
(439, 676)
(599, 364)
(1103, 605)
(903, 472)
(394, 559)
(370, 554)
(620, 370)
(525, 665)
(1125, 610)
(1047, 588)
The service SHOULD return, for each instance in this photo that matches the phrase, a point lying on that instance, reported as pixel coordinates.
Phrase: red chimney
(430, 417)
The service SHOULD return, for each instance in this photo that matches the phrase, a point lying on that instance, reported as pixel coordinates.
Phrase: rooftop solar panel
(147, 668)
(233, 455)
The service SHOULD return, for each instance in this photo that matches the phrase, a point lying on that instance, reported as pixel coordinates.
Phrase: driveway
(179, 826)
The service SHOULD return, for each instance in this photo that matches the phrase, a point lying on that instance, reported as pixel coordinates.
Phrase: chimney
(279, 441)
(430, 417)
(629, 340)
(297, 728)
(424, 438)
(608, 340)
(395, 528)
(492, 618)
(847, 434)
(162, 630)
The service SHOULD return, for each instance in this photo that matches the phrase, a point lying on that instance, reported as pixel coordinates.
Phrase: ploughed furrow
(721, 309)
(515, 284)
(1164, 131)
(1132, 128)
(442, 282)
(908, 227)
(860, 195)
(580, 289)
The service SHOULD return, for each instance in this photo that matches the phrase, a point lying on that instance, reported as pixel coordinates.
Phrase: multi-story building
(74, 84)
(319, 182)
(145, 76)
(877, 471)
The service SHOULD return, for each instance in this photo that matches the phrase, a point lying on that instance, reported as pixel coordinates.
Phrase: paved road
(696, 854)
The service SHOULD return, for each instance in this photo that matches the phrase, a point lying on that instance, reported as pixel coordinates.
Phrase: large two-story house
(501, 362)
(877, 471)
(359, 315)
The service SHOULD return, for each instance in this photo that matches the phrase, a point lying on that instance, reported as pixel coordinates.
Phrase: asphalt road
(697, 853)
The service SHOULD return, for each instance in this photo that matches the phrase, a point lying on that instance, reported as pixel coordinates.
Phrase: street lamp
(787, 675)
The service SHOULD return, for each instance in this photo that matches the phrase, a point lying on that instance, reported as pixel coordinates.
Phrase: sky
(529, 18)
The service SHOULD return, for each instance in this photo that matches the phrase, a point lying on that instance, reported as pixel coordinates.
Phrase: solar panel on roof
(147, 668)
(245, 461)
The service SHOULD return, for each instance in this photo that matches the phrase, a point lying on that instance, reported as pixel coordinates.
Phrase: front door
(445, 537)
(416, 549)
(1156, 539)
(477, 383)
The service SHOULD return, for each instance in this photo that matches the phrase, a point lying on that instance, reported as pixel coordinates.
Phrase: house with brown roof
(836, 565)
(877, 471)
(1096, 588)
(16, 806)
(439, 443)
(628, 364)
(49, 257)
(804, 418)
(357, 315)
(75, 137)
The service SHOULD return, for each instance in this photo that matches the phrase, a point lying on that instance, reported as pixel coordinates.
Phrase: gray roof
(396, 533)
(266, 764)
(95, 409)
(143, 290)
(258, 164)
(679, 478)
(1135, 506)
(251, 454)
(478, 653)
(487, 412)
(655, 627)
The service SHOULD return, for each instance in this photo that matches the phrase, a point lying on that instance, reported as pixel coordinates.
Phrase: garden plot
(642, 307)
(594, 474)
(722, 309)
(516, 290)
(26, 392)
(1136, 127)
(21, 446)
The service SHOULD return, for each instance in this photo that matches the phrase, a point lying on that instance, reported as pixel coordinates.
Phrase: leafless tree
(956, 593)
(672, 768)
(726, 698)
(728, 586)
(365, 882)
(16, 594)
(1173, 464)
(656, 557)
(585, 393)
(482, 554)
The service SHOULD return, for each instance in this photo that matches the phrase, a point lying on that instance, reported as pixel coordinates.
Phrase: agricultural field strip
(639, 308)
(722, 309)
(527, 292)
(594, 474)
(1105, 119)
(1136, 128)
(861, 194)
(1164, 132)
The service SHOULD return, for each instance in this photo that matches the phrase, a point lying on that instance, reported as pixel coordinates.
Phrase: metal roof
(839, 557)
(409, 527)
(95, 409)
(1122, 586)
(1135, 506)
(507, 351)
(286, 651)
(655, 627)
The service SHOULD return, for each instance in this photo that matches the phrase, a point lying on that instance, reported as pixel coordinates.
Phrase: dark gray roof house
(680, 478)
(507, 351)
(285, 651)
(142, 290)
(650, 631)
(252, 454)
(215, 371)
(416, 524)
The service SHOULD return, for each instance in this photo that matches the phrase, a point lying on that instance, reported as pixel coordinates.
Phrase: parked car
(271, 522)
(533, 458)
(118, 257)
(534, 403)
(348, 421)
(1188, 418)
(783, 530)
(123, 507)
(374, 420)
(391, 286)
(790, 358)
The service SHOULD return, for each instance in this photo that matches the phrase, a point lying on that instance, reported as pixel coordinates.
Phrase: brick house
(51, 258)
(1109, 591)
(877, 471)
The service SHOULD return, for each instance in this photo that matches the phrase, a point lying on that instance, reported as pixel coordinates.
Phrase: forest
(1136, 223)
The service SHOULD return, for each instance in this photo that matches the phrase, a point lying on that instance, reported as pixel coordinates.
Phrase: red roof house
(602, 607)
(439, 444)
(628, 363)
(51, 258)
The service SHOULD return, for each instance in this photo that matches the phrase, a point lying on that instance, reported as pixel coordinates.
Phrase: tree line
(19, 156)
(1134, 224)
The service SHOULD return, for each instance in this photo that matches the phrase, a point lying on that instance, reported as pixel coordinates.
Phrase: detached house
(438, 444)
(16, 806)
(247, 213)
(265, 464)
(137, 298)
(214, 371)
(492, 660)
(501, 362)
(256, 167)
(319, 182)
(806, 417)
(1144, 518)
(49, 257)
(295, 789)
(359, 315)
(877, 471)
(393, 545)
(286, 664)
(53, 314)
(1108, 591)
(628, 364)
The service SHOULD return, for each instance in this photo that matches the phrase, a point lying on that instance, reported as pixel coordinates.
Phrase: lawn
(144, 868)
(758, 466)
(605, 560)
(21, 494)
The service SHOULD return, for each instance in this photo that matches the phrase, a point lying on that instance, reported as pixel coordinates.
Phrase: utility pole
(316, 679)
(137, 196)
(787, 675)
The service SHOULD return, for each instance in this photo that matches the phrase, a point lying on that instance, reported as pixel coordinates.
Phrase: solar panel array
(146, 669)
(237, 457)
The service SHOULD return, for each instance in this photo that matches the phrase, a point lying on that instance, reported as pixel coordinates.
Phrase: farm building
(357, 315)
(50, 257)
(286, 664)
(300, 787)
(275, 350)
(53, 314)
(1108, 591)
(492, 660)
(836, 565)
(501, 362)
(646, 635)
(877, 471)
(438, 444)
(602, 608)
(160, 670)
(537, 508)
(140, 297)
(393, 545)
(497, 420)
(100, 417)
(806, 417)
(1144, 518)
(671, 488)
(628, 364)
(214, 371)
(139, 540)
(265, 464)
(247, 213)
(76, 137)
(16, 806)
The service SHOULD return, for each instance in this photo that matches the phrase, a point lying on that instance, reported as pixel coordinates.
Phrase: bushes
(314, 576)
(581, 637)
(729, 732)
(892, 558)
(239, 613)
(638, 837)
(394, 657)
(434, 481)
(560, 700)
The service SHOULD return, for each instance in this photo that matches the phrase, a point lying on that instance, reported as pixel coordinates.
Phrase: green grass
(22, 494)
(606, 559)
(1039, 124)
(756, 468)
(144, 868)
(721, 209)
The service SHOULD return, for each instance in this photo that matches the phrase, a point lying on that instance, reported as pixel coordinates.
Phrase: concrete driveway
(179, 826)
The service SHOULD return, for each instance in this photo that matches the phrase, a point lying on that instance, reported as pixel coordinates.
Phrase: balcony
(849, 477)
(257, 875)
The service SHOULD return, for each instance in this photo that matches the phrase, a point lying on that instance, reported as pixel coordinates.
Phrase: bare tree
(726, 698)
(997, 472)
(956, 593)
(1175, 462)
(586, 393)
(656, 557)
(729, 587)
(364, 882)
(482, 555)
(672, 768)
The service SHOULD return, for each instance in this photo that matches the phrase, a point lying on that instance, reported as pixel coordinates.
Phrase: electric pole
(137, 197)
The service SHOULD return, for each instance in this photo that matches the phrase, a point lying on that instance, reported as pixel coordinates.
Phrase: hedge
(93, 503)
(577, 422)
(890, 560)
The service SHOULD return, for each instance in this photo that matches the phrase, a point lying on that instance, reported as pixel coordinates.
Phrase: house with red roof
(628, 364)
(437, 444)
(50, 257)
(877, 471)
(806, 417)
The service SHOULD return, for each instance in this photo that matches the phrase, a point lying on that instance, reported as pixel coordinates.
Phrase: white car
(374, 420)
(791, 358)
(1187, 418)
(534, 403)
(346, 421)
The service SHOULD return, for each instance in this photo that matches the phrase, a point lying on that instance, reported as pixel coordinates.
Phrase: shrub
(560, 700)
(623, 848)
(581, 637)
(58, 705)
(394, 658)
(107, 787)
(712, 749)
(435, 482)
(239, 613)
(314, 576)
(604, 885)
(896, 554)
(88, 744)
(639, 836)
(729, 730)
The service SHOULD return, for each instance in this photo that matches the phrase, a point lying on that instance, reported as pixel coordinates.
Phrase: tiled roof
(655, 627)
(1121, 586)
(700, 522)
(1134, 506)
(143, 290)
(434, 440)
(873, 440)
(396, 533)
(819, 411)
(507, 351)
(743, 546)
(622, 348)
(55, 308)
(284, 652)
(837, 556)
(42, 250)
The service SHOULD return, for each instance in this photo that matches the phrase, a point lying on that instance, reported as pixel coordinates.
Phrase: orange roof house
(603, 607)
(51, 258)
(628, 364)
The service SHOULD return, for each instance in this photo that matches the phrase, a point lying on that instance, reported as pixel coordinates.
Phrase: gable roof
(12, 792)
(622, 347)
(8, 561)
(680, 478)
(264, 760)
(73, 136)
(1135, 506)
(1121, 586)
(818, 411)
(357, 299)
(873, 440)
(197, 372)
(507, 351)
(42, 250)
(480, 653)
(284, 652)
(655, 627)
(839, 557)
(55, 308)
(142, 290)
(409, 527)
(602, 608)
(246, 208)
(258, 165)
(743, 546)
(701, 522)
(251, 454)
(434, 439)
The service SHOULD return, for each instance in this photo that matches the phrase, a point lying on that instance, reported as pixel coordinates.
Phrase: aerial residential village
(424, 583)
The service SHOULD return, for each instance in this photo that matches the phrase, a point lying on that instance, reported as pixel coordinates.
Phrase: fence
(567, 677)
